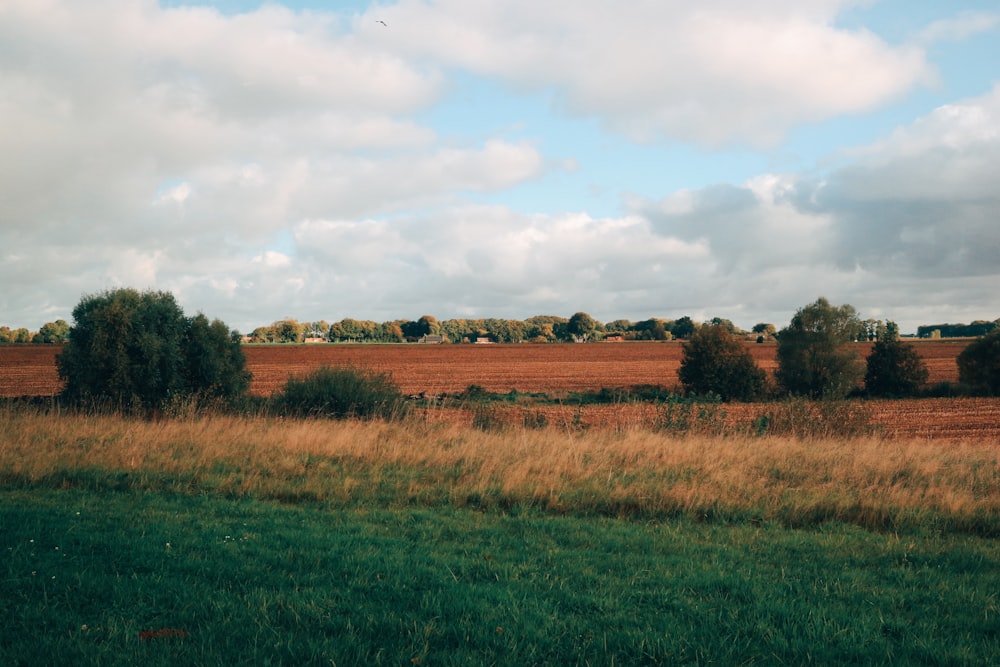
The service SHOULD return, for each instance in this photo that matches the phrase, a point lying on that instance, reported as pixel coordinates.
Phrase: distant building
(433, 339)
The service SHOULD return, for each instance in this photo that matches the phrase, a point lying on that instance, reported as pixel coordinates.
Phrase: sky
(486, 158)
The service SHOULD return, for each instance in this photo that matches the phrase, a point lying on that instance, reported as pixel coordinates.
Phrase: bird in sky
(383, 23)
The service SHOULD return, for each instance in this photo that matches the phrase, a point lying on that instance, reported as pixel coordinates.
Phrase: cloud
(491, 261)
(711, 72)
(173, 146)
(911, 220)
(965, 25)
(276, 163)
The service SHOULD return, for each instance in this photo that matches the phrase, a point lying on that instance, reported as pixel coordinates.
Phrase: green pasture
(137, 577)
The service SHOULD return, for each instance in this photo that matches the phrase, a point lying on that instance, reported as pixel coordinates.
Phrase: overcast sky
(502, 158)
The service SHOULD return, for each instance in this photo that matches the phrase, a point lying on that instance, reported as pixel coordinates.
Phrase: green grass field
(216, 541)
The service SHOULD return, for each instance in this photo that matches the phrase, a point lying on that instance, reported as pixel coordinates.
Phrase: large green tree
(581, 326)
(716, 361)
(134, 349)
(979, 365)
(894, 369)
(814, 359)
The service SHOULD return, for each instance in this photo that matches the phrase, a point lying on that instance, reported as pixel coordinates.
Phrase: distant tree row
(137, 350)
(52, 332)
(972, 330)
(580, 327)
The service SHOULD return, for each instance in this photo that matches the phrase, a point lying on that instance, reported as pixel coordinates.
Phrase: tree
(764, 328)
(894, 369)
(581, 326)
(979, 365)
(730, 327)
(288, 330)
(652, 329)
(214, 361)
(426, 325)
(682, 328)
(52, 332)
(812, 358)
(715, 361)
(137, 350)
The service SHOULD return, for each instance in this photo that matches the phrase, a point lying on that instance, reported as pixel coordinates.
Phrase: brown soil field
(554, 369)
(29, 370)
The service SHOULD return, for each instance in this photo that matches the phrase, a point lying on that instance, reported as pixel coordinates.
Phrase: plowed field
(29, 370)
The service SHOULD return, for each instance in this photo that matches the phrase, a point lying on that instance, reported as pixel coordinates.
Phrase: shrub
(894, 369)
(340, 392)
(979, 365)
(715, 361)
(136, 350)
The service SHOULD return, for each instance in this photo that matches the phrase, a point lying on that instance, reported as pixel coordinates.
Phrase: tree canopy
(894, 369)
(813, 359)
(715, 361)
(134, 349)
(979, 365)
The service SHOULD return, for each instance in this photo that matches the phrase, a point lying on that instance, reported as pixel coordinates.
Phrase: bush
(715, 361)
(136, 350)
(894, 369)
(340, 392)
(979, 365)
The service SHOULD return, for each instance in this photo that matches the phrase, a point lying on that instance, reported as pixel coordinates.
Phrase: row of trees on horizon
(580, 327)
(139, 349)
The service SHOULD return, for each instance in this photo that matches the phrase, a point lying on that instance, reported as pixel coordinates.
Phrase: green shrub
(894, 369)
(340, 392)
(979, 365)
(131, 350)
(716, 361)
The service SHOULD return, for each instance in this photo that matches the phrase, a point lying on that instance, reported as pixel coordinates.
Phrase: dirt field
(29, 370)
(433, 369)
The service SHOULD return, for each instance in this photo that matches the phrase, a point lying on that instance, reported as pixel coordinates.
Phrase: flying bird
(383, 23)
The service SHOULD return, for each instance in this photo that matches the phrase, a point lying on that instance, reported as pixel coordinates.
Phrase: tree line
(580, 327)
(138, 350)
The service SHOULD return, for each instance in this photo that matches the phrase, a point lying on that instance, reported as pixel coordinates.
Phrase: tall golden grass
(878, 483)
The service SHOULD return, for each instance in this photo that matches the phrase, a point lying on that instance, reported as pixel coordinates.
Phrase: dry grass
(878, 483)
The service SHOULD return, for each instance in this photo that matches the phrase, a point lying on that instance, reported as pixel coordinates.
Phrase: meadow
(211, 539)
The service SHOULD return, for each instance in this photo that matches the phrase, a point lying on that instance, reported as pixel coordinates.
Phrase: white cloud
(715, 71)
(958, 28)
(275, 163)
(911, 221)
